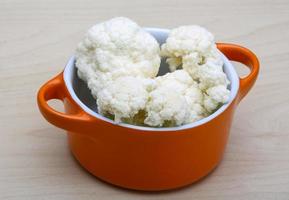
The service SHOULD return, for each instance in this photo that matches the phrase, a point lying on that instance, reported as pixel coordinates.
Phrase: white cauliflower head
(176, 100)
(124, 97)
(118, 47)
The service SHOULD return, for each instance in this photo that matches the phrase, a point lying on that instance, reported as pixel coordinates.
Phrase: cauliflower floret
(219, 93)
(97, 82)
(176, 100)
(181, 77)
(186, 40)
(124, 97)
(215, 97)
(193, 48)
(118, 47)
(210, 104)
(195, 98)
(190, 47)
(209, 76)
(194, 65)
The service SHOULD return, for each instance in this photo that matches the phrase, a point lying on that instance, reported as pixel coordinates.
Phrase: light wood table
(36, 39)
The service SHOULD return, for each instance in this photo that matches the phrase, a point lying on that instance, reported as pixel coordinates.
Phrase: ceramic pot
(144, 158)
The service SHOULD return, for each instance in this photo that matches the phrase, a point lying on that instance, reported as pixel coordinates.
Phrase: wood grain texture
(38, 36)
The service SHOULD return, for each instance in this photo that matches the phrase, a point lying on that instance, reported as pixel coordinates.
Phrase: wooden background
(36, 39)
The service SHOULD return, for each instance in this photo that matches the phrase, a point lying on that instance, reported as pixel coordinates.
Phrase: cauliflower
(215, 96)
(118, 47)
(97, 82)
(187, 40)
(208, 74)
(193, 48)
(124, 97)
(195, 99)
(114, 58)
(119, 62)
(176, 100)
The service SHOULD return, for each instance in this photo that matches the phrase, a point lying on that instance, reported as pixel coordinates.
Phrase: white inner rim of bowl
(160, 35)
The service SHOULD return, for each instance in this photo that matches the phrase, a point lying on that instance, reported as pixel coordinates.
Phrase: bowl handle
(55, 89)
(245, 56)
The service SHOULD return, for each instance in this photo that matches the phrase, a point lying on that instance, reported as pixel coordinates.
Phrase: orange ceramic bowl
(144, 158)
